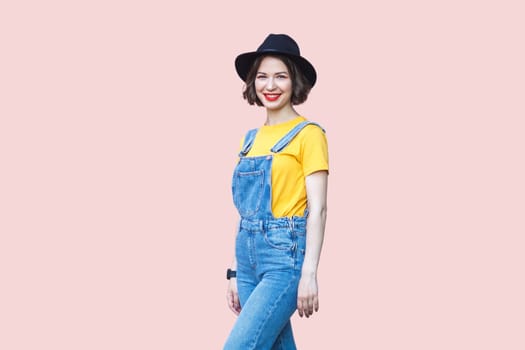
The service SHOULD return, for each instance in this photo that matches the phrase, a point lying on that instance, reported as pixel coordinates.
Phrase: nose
(270, 84)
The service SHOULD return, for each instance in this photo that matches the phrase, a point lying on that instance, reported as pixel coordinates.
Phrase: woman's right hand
(232, 295)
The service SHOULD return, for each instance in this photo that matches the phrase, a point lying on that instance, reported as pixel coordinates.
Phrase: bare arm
(316, 189)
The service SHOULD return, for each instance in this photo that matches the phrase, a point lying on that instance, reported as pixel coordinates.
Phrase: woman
(279, 188)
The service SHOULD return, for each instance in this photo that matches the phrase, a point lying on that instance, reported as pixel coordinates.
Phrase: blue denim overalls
(269, 253)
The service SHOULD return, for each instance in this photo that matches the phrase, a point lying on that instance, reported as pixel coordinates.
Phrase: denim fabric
(269, 253)
(251, 186)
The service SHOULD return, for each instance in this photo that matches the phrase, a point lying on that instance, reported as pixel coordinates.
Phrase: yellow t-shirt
(304, 155)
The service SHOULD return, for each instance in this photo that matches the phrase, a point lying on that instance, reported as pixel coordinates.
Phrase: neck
(282, 115)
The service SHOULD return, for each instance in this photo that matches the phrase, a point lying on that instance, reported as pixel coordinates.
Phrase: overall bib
(269, 252)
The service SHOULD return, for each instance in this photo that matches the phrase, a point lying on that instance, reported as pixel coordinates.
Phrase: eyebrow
(284, 72)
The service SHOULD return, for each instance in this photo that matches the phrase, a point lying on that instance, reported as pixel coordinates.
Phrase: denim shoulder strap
(282, 143)
(248, 142)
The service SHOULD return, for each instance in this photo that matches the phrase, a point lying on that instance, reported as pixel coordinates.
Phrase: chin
(274, 108)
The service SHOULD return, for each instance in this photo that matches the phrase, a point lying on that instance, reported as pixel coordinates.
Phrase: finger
(231, 303)
(229, 299)
(236, 302)
(316, 303)
(304, 307)
(310, 306)
(308, 310)
(300, 306)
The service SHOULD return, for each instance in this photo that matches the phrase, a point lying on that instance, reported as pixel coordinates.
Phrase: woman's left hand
(307, 297)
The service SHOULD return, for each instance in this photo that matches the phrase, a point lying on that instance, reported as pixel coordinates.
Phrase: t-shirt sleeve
(314, 150)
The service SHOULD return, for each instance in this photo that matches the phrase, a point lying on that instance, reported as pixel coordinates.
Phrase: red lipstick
(271, 97)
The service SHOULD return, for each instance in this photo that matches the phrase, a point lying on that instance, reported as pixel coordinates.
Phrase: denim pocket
(247, 191)
(279, 238)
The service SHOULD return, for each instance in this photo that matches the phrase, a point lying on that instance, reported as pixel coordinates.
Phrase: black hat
(280, 44)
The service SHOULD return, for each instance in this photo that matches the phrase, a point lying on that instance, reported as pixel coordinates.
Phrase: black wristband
(230, 273)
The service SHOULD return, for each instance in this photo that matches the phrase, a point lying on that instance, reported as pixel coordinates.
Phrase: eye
(282, 76)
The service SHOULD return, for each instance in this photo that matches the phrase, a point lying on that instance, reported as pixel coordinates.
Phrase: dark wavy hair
(300, 85)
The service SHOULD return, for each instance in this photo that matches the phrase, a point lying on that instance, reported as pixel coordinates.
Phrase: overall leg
(285, 339)
(266, 314)
(246, 264)
(246, 277)
(271, 261)
(279, 258)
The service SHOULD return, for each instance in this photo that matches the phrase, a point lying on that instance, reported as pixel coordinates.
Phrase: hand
(307, 296)
(232, 296)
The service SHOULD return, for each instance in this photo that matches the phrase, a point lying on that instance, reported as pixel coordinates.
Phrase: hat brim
(244, 62)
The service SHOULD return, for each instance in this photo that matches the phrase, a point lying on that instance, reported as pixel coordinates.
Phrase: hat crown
(281, 43)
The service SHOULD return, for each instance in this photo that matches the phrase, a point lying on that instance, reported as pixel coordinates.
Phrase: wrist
(309, 273)
(309, 268)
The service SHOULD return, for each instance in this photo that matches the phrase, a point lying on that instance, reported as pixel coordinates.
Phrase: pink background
(119, 124)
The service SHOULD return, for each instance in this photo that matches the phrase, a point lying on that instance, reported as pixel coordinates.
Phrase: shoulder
(307, 124)
(313, 131)
(316, 127)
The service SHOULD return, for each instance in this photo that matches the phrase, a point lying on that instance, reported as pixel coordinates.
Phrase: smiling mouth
(272, 97)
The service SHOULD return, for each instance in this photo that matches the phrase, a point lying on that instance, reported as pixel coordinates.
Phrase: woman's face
(273, 83)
